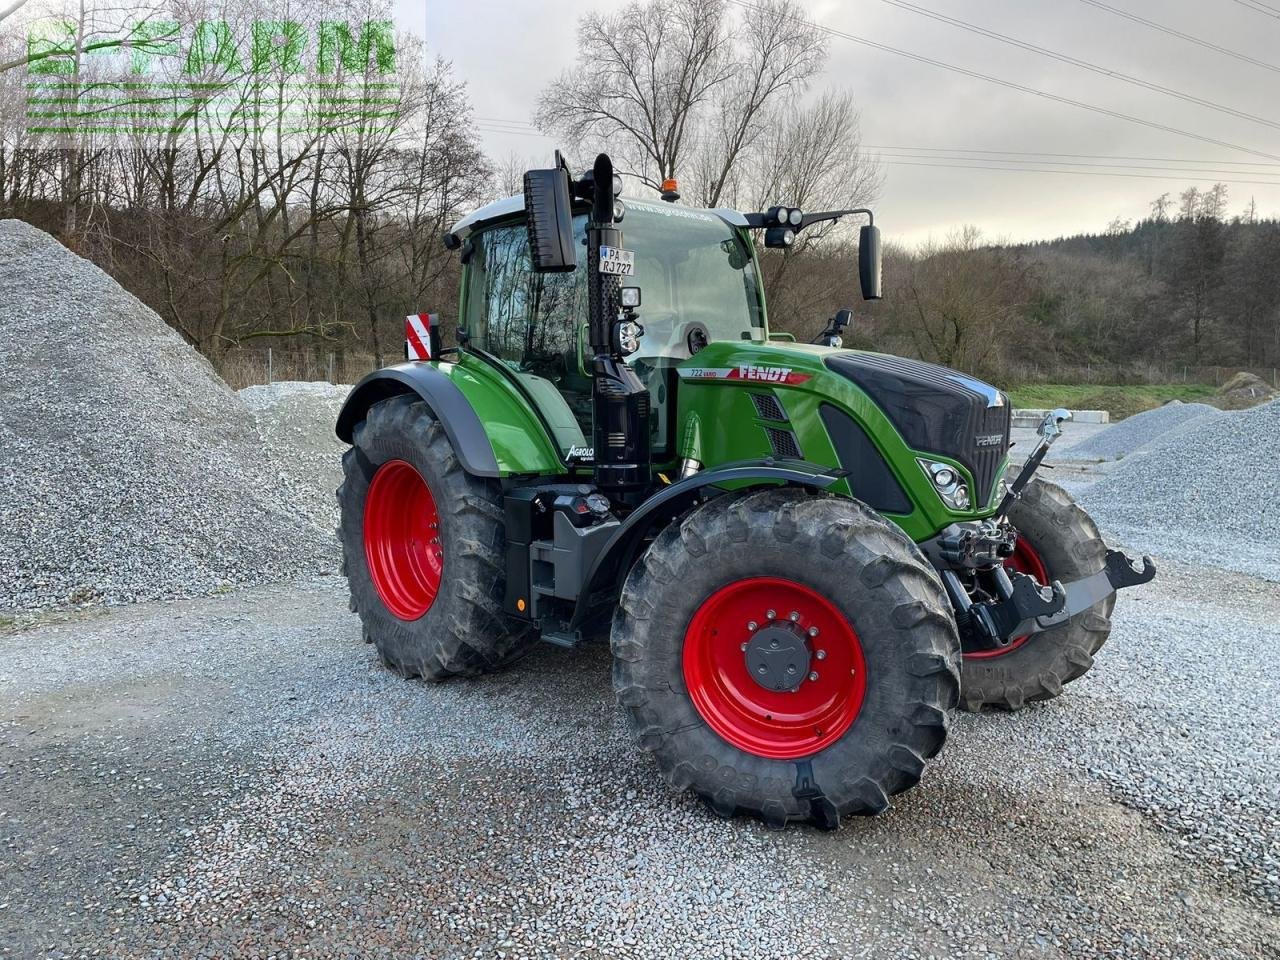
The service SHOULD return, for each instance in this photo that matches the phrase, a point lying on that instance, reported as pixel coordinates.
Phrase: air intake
(768, 407)
(784, 444)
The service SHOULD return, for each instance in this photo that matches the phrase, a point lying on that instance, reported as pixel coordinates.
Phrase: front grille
(936, 410)
(768, 407)
(784, 444)
(985, 461)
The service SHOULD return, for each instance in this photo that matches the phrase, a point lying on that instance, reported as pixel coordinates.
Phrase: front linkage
(1010, 604)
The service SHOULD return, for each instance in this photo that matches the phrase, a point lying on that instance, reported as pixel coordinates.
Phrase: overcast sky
(507, 51)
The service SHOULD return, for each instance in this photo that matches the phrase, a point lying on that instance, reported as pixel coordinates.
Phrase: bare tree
(645, 77)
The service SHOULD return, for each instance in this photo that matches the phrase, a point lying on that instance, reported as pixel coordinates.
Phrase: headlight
(629, 334)
(947, 482)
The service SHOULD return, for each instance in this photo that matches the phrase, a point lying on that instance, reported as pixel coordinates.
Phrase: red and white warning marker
(417, 335)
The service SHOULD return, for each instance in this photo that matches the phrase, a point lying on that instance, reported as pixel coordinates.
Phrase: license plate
(617, 262)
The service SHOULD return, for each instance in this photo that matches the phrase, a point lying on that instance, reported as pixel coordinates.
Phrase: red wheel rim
(402, 540)
(1026, 560)
(780, 725)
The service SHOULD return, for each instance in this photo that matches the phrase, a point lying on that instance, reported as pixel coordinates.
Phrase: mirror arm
(759, 221)
(811, 218)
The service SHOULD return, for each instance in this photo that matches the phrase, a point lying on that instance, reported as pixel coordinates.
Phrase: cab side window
(531, 322)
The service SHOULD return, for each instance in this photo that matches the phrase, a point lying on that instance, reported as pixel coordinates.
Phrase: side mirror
(549, 218)
(869, 258)
(841, 320)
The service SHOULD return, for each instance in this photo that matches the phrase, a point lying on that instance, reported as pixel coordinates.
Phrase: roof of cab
(509, 206)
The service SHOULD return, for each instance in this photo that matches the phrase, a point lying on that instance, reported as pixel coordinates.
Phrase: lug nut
(813, 631)
(794, 616)
(821, 654)
(773, 644)
(814, 675)
(770, 615)
(791, 668)
(761, 670)
(744, 648)
(752, 626)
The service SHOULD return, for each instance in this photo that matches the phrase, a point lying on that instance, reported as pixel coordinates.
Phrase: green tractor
(804, 557)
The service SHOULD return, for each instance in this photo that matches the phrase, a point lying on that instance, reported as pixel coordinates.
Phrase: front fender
(617, 555)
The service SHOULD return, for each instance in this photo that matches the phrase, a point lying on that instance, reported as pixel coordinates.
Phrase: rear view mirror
(869, 262)
(550, 220)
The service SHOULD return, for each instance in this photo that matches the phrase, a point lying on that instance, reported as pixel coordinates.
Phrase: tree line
(267, 211)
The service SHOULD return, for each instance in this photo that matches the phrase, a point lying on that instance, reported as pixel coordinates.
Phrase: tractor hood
(935, 409)
(853, 410)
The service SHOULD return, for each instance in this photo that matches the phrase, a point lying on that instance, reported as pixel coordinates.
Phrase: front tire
(423, 548)
(846, 738)
(1057, 540)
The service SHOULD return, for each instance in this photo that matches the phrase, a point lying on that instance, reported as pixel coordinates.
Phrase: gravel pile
(1208, 492)
(296, 420)
(130, 470)
(1136, 432)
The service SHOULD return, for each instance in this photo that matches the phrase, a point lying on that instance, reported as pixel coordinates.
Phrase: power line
(964, 71)
(1073, 156)
(931, 159)
(1077, 173)
(1259, 7)
(1066, 163)
(1133, 17)
(1077, 62)
(521, 126)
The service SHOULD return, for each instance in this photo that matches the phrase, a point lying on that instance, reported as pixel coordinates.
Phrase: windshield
(692, 268)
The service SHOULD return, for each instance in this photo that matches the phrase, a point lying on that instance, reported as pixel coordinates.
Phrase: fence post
(331, 366)
(270, 366)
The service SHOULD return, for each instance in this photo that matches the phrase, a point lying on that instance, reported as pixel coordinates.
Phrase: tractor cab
(698, 282)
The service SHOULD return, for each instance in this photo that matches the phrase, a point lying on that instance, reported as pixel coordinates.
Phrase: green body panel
(520, 441)
(718, 423)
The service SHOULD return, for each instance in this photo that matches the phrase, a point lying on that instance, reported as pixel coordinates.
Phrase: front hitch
(1026, 606)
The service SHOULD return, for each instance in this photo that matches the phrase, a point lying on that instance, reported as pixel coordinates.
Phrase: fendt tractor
(805, 557)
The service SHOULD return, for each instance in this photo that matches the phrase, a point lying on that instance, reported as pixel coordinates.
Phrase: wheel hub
(402, 540)
(778, 658)
(774, 667)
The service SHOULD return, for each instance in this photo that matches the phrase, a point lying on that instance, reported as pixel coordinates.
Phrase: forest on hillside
(1187, 288)
(248, 230)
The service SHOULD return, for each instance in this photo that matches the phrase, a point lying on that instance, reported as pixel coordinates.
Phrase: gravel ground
(1135, 432)
(296, 420)
(238, 776)
(1207, 492)
(131, 471)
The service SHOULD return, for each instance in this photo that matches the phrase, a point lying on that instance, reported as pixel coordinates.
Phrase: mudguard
(450, 405)
(618, 554)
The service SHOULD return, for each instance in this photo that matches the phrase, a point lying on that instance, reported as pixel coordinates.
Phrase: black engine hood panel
(936, 410)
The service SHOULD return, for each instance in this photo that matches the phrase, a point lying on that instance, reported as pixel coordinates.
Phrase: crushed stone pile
(1207, 493)
(1136, 432)
(296, 420)
(128, 470)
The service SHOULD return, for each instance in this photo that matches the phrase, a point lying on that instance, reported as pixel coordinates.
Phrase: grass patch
(1121, 401)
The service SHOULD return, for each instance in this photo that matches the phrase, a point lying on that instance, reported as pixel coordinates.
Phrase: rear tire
(834, 562)
(434, 610)
(1065, 542)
